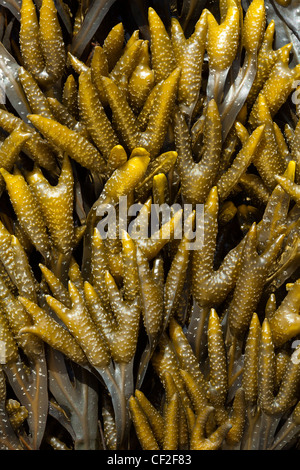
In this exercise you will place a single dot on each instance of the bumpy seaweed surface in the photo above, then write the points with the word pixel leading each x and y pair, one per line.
pixel 185 117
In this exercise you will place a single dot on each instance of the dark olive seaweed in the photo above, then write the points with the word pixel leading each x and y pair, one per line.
pixel 149 225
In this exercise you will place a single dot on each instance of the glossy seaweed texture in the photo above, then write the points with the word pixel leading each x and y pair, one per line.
pixel 182 338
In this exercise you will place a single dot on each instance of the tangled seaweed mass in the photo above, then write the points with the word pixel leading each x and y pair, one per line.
pixel 139 340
